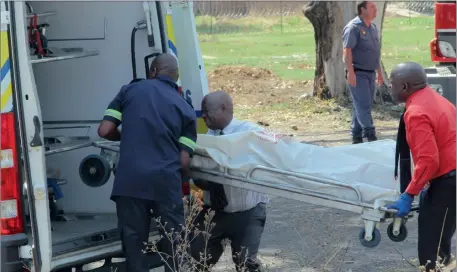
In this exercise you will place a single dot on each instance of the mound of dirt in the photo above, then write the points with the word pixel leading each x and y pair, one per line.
pixel 250 86
pixel 242 72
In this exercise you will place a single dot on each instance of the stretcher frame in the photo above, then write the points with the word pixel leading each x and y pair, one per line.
pixel 371 214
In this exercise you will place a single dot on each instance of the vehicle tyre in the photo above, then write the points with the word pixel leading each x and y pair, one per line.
pixel 397 238
pixel 94 170
pixel 375 240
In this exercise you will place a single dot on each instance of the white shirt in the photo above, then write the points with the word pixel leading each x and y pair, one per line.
pixel 240 199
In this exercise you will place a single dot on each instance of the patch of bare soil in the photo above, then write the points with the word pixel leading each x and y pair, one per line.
pixel 250 86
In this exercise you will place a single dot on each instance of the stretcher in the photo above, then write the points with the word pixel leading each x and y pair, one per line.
pixel 266 164
pixel 371 213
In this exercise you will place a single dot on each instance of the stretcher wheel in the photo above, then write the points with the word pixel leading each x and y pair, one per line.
pixel 375 240
pixel 94 170
pixel 397 238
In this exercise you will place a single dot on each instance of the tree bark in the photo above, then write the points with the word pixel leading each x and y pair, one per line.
pixel 328 19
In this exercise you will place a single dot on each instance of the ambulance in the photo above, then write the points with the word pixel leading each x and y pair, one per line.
pixel 61 65
pixel 442 76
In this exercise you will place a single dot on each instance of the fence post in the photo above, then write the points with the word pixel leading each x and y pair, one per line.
pixel 280 10
pixel 211 18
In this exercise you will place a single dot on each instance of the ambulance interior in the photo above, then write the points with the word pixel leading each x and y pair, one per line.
pixel 90 59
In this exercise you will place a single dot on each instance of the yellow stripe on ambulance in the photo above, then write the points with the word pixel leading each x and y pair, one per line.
pixel 6 87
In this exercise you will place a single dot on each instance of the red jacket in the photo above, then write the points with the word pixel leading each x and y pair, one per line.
pixel 430 122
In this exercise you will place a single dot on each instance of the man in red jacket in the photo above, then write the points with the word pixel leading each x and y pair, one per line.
pixel 430 125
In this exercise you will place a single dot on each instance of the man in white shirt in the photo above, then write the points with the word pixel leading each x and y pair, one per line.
pixel 239 214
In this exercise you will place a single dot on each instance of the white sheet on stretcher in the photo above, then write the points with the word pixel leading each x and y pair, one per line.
pixel 369 167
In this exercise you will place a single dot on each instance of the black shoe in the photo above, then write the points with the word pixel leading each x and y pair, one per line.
pixel 357 140
pixel 372 138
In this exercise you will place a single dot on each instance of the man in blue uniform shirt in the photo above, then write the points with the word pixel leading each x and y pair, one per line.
pixel 158 137
pixel 362 56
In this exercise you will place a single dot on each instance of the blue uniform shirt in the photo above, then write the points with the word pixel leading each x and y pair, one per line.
pixel 157 123
pixel 364 42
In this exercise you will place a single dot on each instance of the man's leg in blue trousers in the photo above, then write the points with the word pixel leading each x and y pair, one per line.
pixel 362 99
pixel 134 224
pixel 356 128
pixel 172 219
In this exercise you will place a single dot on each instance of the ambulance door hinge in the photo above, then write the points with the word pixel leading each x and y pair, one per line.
pixel 36 141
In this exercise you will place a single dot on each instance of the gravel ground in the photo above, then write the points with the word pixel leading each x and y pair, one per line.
pixel 304 237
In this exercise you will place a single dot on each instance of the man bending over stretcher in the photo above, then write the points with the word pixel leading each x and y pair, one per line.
pixel 240 214
pixel 429 132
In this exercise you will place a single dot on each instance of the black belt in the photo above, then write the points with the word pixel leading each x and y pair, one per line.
pixel 357 70
pixel 363 70
pixel 450 174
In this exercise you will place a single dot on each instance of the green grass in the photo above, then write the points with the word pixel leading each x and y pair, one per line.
pixel 287 47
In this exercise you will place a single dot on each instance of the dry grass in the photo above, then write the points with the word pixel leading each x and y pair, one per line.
pixel 182 239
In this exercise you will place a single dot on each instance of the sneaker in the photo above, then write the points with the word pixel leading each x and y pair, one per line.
pixel 357 140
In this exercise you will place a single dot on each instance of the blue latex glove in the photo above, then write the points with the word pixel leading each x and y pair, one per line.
pixel 403 205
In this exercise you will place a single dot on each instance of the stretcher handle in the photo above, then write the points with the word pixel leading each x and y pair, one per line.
pixel 384 209
pixel 107 145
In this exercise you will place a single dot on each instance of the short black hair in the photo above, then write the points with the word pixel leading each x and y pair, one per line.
pixel 360 5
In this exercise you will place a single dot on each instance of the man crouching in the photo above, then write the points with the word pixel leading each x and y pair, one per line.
pixel 240 214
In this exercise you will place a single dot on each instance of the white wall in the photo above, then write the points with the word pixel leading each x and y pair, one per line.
pixel 81 89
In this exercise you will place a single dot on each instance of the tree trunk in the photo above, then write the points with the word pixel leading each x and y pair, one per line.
pixel 328 19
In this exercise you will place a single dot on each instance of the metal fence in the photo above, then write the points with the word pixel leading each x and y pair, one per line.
pixel 407 31
pixel 232 17
pixel 237 9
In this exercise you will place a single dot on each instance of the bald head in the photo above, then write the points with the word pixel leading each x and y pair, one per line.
pixel 217 99
pixel 217 110
pixel 164 64
pixel 407 78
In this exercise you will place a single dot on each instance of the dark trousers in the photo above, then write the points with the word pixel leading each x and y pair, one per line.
pixel 362 98
pixel 134 219
pixel 243 229
pixel 434 222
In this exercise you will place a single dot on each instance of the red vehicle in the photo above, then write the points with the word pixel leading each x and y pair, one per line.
pixel 442 47
pixel 442 77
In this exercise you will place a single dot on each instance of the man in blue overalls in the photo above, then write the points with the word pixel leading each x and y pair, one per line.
pixel 362 54
pixel 158 136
